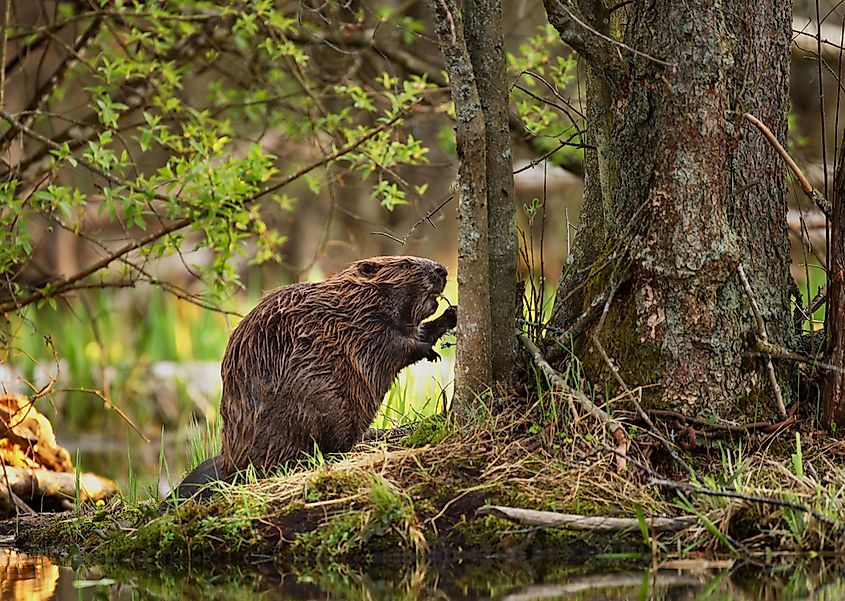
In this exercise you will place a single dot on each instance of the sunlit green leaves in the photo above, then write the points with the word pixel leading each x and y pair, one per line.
pixel 188 112
pixel 545 73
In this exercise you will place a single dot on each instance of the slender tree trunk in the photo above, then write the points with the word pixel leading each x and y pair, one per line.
pixel 473 369
pixel 485 43
pixel 833 392
pixel 679 192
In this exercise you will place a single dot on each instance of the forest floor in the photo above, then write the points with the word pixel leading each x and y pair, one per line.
pixel 428 497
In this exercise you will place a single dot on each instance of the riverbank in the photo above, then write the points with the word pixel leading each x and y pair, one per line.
pixel 428 499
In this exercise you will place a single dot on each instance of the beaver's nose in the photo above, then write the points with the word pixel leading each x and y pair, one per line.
pixel 441 271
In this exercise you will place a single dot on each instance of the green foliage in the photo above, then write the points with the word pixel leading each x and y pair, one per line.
pixel 798 457
pixel 545 74
pixel 158 143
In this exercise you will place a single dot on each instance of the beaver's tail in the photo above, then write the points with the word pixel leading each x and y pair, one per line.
pixel 196 484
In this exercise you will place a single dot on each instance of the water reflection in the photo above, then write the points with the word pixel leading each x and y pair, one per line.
pixel 24 578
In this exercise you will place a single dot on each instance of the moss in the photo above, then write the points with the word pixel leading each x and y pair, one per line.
pixel 332 483
pixel 621 340
pixel 484 532
pixel 431 430
pixel 192 533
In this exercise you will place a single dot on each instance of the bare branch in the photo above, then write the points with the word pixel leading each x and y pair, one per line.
pixel 816 197
pixel 61 286
pixel 764 338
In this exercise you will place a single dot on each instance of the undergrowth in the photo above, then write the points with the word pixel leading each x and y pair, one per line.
pixel 417 501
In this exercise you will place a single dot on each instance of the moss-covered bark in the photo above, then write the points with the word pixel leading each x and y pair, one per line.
pixel 485 43
pixel 681 188
pixel 473 364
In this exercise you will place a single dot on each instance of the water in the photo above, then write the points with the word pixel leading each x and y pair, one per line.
pixel 24 578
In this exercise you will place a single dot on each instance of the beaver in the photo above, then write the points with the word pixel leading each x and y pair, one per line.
pixel 311 363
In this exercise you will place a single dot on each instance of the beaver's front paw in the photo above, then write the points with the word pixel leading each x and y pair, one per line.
pixel 450 317
pixel 432 355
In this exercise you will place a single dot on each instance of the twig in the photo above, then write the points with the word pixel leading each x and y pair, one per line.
pixel 579 326
pixel 404 239
pixel 805 313
pixel 682 419
pixel 552 519
pixel 4 37
pixel 744 497
pixel 773 350
pixel 618 377
pixel 764 338
pixel 653 431
pixel 61 286
pixel 816 197
pixel 616 429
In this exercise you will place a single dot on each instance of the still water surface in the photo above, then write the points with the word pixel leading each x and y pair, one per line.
pixel 26 577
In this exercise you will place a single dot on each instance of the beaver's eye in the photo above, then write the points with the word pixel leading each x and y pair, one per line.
pixel 367 268
pixel 404 265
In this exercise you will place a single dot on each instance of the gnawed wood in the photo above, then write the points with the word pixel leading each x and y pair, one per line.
pixel 569 521
pixel 26 437
pixel 36 485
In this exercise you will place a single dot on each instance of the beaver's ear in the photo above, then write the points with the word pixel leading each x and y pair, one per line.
pixel 367 268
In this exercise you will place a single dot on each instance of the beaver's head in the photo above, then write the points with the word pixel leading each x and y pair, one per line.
pixel 412 284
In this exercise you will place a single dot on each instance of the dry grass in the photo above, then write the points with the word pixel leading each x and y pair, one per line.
pixel 418 501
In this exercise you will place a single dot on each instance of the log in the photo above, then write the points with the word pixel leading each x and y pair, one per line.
pixel 569 521
pixel 35 486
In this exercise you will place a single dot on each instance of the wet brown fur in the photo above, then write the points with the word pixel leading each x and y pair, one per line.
pixel 311 363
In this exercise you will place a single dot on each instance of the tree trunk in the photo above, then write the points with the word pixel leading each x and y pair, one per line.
pixel 485 43
pixel 679 192
pixel 833 391
pixel 473 367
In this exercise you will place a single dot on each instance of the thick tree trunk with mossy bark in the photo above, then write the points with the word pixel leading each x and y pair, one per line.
pixel 680 190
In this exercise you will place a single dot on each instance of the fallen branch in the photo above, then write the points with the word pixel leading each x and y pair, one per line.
pixel 552 519
pixel 764 339
pixel 38 485
pixel 616 429
pixel 730 494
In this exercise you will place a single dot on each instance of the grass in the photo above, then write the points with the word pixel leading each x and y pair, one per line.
pixel 417 501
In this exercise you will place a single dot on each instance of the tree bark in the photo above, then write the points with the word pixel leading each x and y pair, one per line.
pixel 833 391
pixel 680 191
pixel 473 366
pixel 485 44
